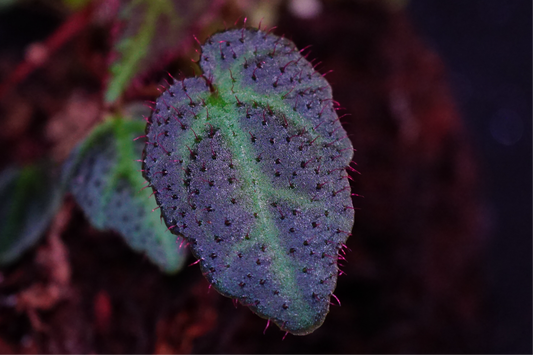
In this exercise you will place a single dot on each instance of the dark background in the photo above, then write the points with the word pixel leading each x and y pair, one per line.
pixel 486 46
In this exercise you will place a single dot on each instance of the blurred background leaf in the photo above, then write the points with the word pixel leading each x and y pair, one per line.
pixel 103 174
pixel 6 3
pixel 150 34
pixel 76 4
pixel 30 198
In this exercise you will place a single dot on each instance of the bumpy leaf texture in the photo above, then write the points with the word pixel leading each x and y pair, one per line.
pixel 103 175
pixel 248 163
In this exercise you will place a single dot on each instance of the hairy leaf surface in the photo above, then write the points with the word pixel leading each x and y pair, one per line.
pixel 248 163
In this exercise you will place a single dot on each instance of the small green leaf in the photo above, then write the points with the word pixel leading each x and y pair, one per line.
pixel 30 198
pixel 103 175
pixel 249 164
pixel 152 33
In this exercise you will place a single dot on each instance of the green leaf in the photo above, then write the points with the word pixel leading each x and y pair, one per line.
pixel 103 175
pixel 248 163
pixel 152 33
pixel 30 198
pixel 5 4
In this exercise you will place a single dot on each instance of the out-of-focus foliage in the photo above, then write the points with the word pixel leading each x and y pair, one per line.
pixel 103 175
pixel 30 197
pixel 76 4
pixel 6 3
pixel 151 33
